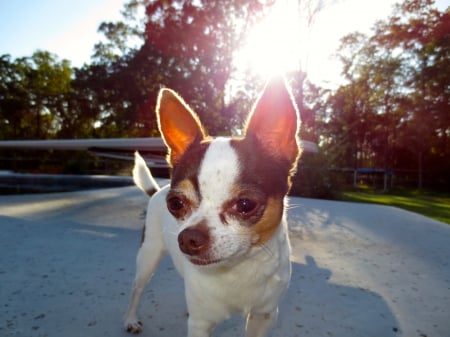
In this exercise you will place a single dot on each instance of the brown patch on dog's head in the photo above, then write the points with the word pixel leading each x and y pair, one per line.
pixel 188 188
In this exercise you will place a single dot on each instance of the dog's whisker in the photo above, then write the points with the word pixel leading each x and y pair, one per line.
pixel 289 207
pixel 267 249
pixel 172 233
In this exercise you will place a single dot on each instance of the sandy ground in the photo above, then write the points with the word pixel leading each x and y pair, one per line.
pixel 67 263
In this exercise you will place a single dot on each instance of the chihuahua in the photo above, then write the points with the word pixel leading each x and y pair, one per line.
pixel 222 218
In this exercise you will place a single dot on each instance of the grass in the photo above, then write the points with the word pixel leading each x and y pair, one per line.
pixel 435 206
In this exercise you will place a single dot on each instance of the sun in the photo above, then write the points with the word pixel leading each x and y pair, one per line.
pixel 274 45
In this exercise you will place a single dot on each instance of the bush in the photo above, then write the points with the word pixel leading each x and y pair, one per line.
pixel 314 179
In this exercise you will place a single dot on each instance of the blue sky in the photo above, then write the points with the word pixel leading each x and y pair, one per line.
pixel 65 27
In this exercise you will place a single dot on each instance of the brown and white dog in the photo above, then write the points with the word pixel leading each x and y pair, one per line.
pixel 222 218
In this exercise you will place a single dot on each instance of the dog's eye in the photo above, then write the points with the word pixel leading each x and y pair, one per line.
pixel 245 206
pixel 175 204
pixel 178 205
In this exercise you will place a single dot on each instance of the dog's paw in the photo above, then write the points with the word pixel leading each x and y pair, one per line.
pixel 134 327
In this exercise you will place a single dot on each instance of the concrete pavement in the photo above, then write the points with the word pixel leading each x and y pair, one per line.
pixel 67 263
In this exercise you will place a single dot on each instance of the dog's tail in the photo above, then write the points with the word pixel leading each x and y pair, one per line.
pixel 142 176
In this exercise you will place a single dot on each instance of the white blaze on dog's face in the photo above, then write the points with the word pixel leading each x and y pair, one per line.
pixel 227 193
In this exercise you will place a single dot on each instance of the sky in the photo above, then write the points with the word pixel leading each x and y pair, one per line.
pixel 68 28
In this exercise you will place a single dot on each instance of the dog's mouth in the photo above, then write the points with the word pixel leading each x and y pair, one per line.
pixel 203 262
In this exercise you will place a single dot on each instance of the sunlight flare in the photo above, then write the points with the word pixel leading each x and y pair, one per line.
pixel 274 45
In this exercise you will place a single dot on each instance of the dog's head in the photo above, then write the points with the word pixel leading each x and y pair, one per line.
pixel 228 193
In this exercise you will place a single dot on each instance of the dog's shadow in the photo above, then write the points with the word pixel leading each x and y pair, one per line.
pixel 315 306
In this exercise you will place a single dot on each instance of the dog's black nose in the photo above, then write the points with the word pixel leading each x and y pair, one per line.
pixel 193 241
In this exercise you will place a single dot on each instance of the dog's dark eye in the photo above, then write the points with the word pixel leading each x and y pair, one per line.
pixel 175 204
pixel 178 205
pixel 245 206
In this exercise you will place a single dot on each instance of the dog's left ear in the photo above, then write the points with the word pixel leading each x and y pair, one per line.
pixel 275 122
pixel 178 124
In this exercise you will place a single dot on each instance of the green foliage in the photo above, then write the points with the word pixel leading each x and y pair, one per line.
pixel 314 179
pixel 34 92
pixel 393 111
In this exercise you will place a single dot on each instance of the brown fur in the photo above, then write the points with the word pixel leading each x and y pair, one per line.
pixel 271 219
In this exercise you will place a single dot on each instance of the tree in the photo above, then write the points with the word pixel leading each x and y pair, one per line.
pixel 396 99
pixel 49 83
pixel 14 101
pixel 422 34
pixel 34 95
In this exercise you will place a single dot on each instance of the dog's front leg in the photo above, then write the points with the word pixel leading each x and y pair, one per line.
pixel 199 327
pixel 147 261
pixel 259 324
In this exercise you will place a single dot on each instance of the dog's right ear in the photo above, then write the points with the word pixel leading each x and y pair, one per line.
pixel 178 124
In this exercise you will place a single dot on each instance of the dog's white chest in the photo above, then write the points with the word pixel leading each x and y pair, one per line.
pixel 255 284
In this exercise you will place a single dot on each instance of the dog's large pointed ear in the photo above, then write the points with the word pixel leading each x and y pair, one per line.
pixel 178 124
pixel 274 121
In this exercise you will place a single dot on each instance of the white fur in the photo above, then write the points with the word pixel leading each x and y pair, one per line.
pixel 250 280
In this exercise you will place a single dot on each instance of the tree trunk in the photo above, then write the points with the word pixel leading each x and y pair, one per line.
pixel 420 171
